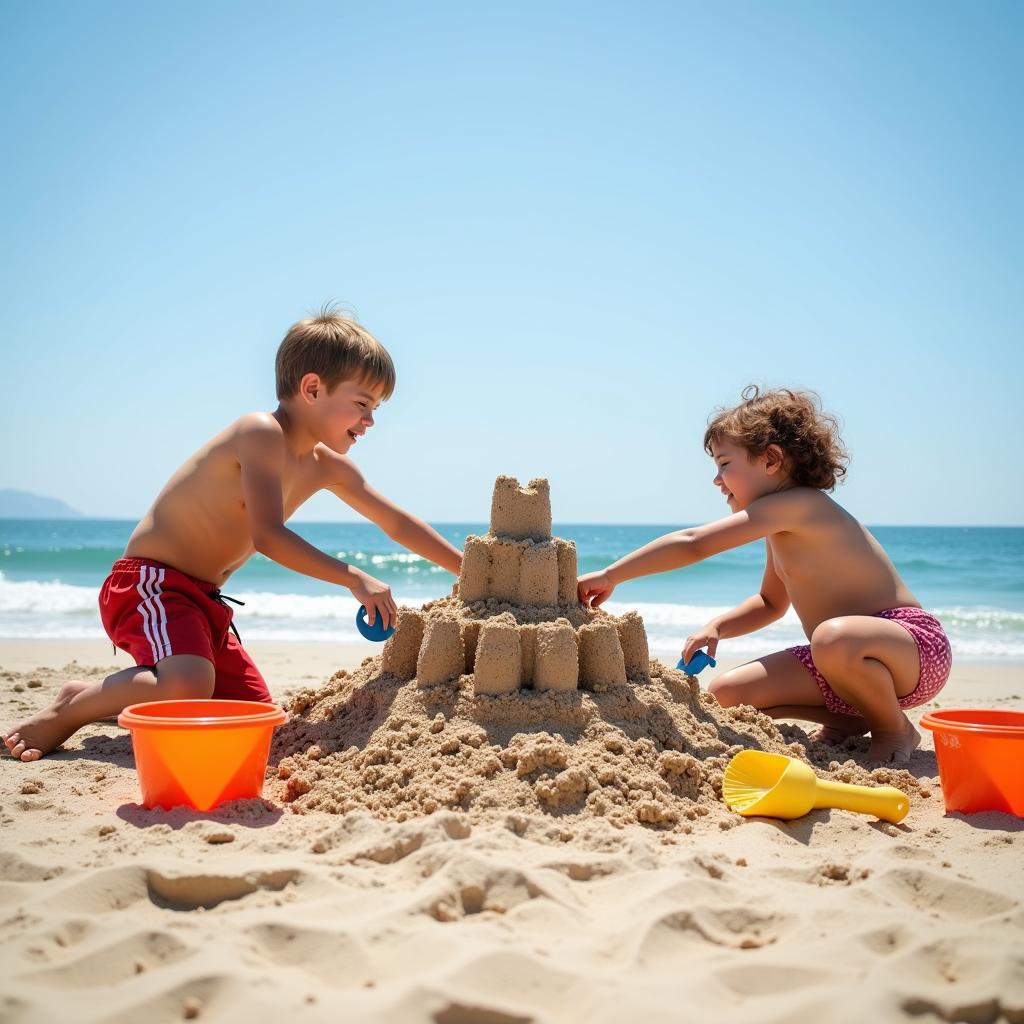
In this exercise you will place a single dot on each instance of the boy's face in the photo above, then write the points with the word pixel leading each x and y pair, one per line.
pixel 743 477
pixel 346 413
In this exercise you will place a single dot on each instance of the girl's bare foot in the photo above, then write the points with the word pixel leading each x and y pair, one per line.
pixel 894 747
pixel 836 732
pixel 46 730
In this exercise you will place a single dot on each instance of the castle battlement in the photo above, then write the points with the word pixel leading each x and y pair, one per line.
pixel 522 513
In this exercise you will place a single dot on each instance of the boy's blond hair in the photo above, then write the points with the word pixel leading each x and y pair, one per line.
pixel 793 420
pixel 335 347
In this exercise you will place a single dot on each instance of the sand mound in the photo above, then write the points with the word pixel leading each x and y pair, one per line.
pixel 522 701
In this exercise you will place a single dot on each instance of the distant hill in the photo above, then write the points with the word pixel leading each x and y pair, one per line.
pixel 24 505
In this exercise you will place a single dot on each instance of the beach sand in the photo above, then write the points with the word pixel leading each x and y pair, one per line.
pixel 114 913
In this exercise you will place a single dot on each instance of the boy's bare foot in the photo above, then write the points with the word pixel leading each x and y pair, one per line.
pixel 894 747
pixel 46 730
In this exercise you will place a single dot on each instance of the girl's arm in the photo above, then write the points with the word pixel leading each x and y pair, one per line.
pixel 770 514
pixel 765 607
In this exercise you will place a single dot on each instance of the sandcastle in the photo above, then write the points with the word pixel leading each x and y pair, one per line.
pixel 515 621
pixel 510 699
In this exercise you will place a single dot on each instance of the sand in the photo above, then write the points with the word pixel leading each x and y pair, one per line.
pixel 109 912
pixel 510 814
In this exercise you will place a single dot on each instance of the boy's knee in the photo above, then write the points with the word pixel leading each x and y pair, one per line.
pixel 69 689
pixel 184 687
pixel 191 679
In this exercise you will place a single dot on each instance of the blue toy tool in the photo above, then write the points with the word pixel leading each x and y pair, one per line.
pixel 699 662
pixel 377 633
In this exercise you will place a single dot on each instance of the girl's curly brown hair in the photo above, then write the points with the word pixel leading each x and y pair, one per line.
pixel 794 420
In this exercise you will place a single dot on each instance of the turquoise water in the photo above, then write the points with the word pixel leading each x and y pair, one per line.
pixel 971 577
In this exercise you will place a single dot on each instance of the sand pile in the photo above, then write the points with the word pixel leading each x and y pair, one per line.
pixel 510 697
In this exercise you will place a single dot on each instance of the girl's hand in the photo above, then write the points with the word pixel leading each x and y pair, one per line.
pixel 706 637
pixel 376 598
pixel 594 589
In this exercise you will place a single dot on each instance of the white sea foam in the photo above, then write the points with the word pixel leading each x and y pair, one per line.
pixel 38 609
pixel 42 598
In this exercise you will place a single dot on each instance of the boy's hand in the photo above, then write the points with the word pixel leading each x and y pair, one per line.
pixel 376 597
pixel 594 589
pixel 706 637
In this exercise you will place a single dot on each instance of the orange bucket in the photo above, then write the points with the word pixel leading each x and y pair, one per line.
pixel 200 753
pixel 981 759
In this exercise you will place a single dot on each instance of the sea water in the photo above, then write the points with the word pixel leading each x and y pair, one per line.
pixel 972 578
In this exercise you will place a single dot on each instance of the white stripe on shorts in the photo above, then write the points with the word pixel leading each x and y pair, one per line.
pixel 157 591
pixel 145 611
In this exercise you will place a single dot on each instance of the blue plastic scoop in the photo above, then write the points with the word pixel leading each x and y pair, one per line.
pixel 377 633
pixel 699 662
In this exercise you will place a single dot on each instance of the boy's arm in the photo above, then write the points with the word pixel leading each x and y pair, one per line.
pixel 773 513
pixel 764 607
pixel 401 526
pixel 261 456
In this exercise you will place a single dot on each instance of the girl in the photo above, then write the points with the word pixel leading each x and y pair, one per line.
pixel 873 650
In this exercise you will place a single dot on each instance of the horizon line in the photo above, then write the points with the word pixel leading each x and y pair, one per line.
pixel 476 522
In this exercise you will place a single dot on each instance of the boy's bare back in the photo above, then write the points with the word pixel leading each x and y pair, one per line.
pixel 199 522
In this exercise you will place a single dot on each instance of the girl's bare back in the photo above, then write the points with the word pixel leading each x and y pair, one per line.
pixel 830 565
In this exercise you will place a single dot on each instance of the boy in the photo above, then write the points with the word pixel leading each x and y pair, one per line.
pixel 873 649
pixel 162 603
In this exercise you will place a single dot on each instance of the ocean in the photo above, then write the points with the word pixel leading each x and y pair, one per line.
pixel 971 577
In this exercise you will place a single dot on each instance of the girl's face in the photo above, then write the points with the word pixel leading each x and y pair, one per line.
pixel 743 477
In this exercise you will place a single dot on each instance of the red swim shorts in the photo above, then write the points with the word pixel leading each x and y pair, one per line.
pixel 153 611
pixel 933 650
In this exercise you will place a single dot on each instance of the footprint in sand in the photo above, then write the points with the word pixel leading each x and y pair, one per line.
pixel 939 896
pixel 15 868
pixel 755 980
pixel 677 933
pixel 190 892
pixel 471 887
pixel 332 957
pixel 124 887
pixel 114 962
pixel 956 978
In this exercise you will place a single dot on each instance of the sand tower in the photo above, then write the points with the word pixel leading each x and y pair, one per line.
pixel 515 621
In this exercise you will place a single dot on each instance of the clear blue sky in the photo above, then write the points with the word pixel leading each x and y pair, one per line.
pixel 577 227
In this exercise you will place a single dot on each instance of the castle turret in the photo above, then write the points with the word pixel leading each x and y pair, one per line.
pixel 521 513
pixel 519 562
pixel 518 571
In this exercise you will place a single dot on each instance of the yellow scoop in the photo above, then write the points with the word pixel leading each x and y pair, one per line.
pixel 776 786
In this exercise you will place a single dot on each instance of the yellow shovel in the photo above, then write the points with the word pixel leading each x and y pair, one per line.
pixel 776 786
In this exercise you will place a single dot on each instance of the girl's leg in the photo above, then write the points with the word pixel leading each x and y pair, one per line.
pixel 870 663
pixel 179 677
pixel 775 680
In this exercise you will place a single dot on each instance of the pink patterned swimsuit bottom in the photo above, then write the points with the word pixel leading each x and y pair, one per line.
pixel 933 650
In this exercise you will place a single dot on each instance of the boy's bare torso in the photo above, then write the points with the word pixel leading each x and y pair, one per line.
pixel 199 524
pixel 831 566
